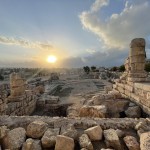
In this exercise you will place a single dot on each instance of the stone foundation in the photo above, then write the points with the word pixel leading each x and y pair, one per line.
pixel 138 92
pixel 25 105
pixel 76 133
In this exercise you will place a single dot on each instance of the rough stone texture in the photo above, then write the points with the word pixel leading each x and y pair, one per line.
pixel 71 132
pixel 49 138
pixel 143 126
pixel 25 105
pixel 112 139
pixel 132 83
pixel 15 139
pixel 85 142
pixel 36 129
pixel 120 133
pixel 57 122
pixel 133 112
pixel 137 57
pixel 32 144
pixel 145 141
pixel 98 99
pixel 64 142
pixel 131 143
pixel 3 100
pixel 17 85
pixel 3 131
pixel 93 111
pixel 94 133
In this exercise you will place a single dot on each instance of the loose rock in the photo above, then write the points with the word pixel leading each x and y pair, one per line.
pixel 112 139
pixel 32 144
pixel 131 143
pixel 94 133
pixel 133 112
pixel 85 142
pixel 15 139
pixel 145 141
pixel 64 142
pixel 36 129
pixel 49 138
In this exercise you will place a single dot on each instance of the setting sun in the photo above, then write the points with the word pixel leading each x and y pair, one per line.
pixel 52 59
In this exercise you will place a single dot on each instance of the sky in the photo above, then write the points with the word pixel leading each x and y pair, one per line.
pixel 77 32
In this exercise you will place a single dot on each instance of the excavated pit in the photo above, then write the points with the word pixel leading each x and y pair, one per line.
pixel 52 110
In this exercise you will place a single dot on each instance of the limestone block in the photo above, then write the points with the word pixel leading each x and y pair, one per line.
pixel 131 143
pixel 15 139
pixel 72 133
pixel 128 93
pixel 49 138
pixel 115 94
pixel 133 112
pixel 64 142
pixel 120 89
pixel 112 139
pixel 137 79
pixel 129 88
pixel 137 42
pixel 85 142
pixel 36 129
pixel 145 102
pixel 135 97
pixel 93 111
pixel 130 83
pixel 94 133
pixel 121 85
pixel 32 144
pixel 145 141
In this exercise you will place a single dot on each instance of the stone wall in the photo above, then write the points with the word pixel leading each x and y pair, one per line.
pixel 25 105
pixel 3 101
pixel 57 122
pixel 134 84
pixel 41 133
pixel 17 99
pixel 137 92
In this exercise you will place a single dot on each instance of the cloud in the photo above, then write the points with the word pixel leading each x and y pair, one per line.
pixel 72 62
pixel 25 43
pixel 98 4
pixel 117 30
pixel 91 51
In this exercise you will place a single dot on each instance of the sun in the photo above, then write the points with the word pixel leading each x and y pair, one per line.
pixel 51 59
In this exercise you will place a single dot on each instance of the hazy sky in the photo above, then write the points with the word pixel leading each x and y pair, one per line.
pixel 77 32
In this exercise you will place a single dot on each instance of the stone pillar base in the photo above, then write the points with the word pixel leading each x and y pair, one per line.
pixel 133 79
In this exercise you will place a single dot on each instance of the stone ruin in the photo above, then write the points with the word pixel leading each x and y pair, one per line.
pixel 21 101
pixel 87 127
pixel 134 83
pixel 17 85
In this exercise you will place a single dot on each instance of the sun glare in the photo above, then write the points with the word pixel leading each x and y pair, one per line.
pixel 52 59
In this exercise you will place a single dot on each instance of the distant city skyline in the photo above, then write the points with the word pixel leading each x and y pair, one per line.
pixel 78 32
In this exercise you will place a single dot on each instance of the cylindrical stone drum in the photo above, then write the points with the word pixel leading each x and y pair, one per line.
pixel 137 55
